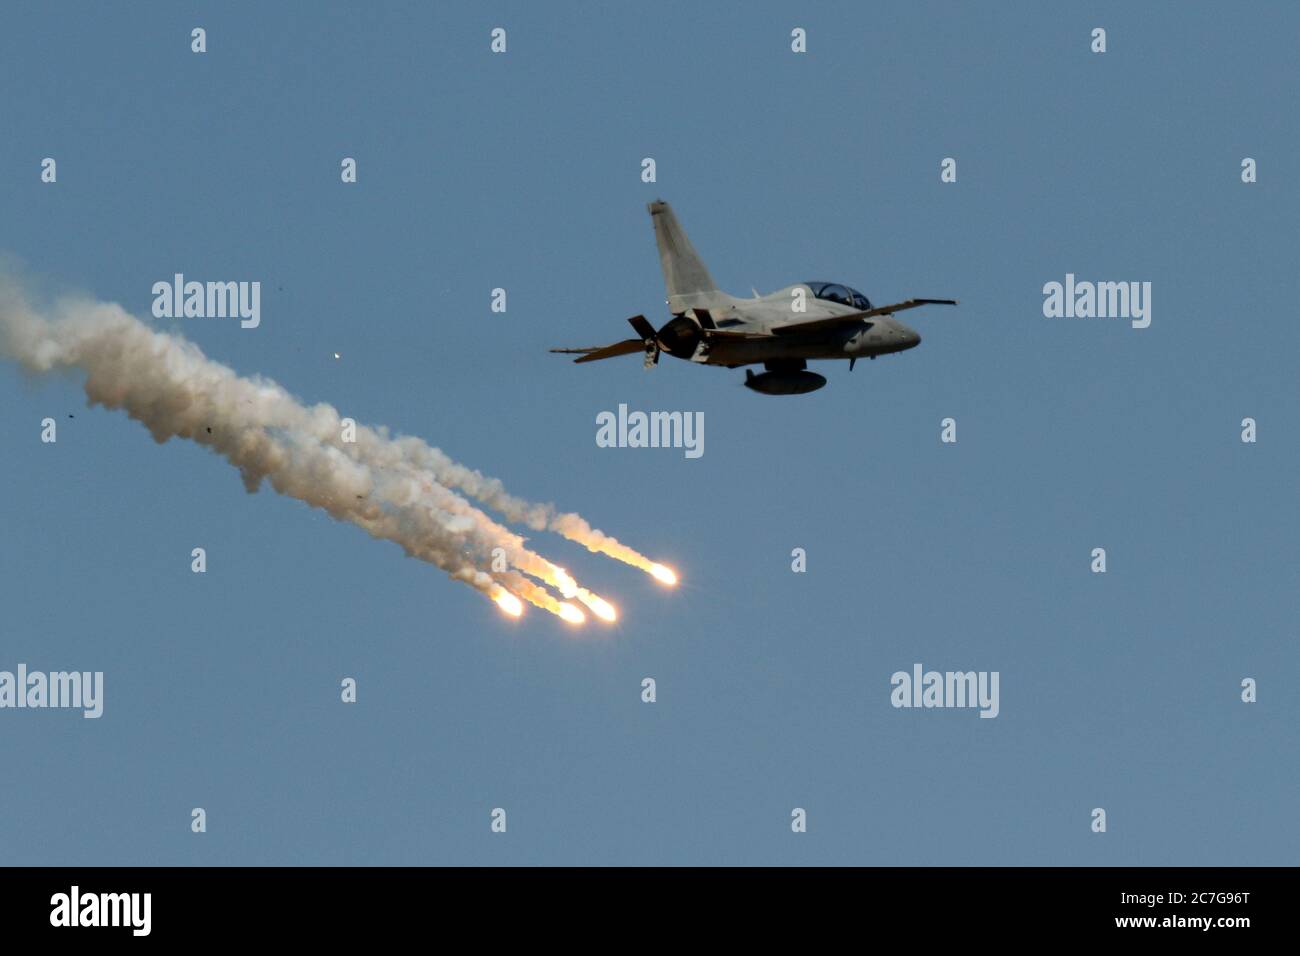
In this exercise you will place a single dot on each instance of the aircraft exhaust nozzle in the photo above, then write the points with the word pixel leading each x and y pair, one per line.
pixel 680 337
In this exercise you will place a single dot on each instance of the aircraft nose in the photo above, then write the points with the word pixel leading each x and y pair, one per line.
pixel 913 339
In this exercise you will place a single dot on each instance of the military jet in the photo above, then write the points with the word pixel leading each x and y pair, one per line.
pixel 782 330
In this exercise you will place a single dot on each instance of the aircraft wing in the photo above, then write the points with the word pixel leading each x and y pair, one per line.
pixel 836 321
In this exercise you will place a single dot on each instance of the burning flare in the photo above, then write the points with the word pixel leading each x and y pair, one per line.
pixel 665 574
pixel 509 603
pixel 572 614
pixel 598 605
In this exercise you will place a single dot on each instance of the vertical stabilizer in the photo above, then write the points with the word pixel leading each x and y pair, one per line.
pixel 687 280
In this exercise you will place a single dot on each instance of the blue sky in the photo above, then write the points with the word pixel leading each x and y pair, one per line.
pixel 523 171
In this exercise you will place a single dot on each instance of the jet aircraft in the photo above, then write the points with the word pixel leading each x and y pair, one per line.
pixel 781 330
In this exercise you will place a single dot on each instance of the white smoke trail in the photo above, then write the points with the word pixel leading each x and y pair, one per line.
pixel 387 486
pixel 432 465
pixel 539 517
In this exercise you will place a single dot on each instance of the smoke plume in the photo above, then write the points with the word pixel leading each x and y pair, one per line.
pixel 397 488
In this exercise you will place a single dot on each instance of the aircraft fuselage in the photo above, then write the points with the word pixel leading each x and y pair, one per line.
pixel 683 336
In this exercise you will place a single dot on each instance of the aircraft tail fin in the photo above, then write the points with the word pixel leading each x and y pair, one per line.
pixel 687 279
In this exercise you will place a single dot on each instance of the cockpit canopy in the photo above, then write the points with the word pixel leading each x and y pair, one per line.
pixel 842 294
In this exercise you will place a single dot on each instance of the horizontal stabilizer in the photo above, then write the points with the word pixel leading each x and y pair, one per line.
pixel 626 347
pixel 641 325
